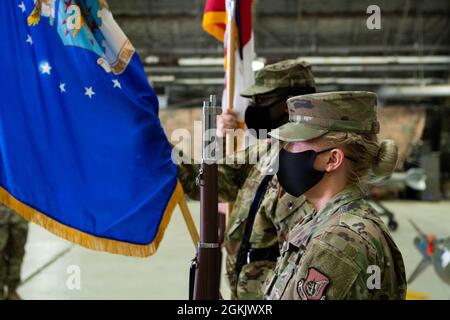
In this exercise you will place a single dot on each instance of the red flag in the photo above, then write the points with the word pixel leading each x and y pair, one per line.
pixel 215 22
pixel 215 18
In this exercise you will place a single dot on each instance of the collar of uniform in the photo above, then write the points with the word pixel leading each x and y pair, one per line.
pixel 288 204
pixel 300 234
pixel 343 197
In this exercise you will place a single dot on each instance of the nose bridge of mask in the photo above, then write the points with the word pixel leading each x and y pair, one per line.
pixel 310 154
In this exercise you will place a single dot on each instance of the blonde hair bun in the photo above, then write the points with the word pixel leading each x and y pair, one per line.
pixel 386 158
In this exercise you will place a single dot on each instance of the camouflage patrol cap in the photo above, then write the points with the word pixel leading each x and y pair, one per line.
pixel 313 115
pixel 283 74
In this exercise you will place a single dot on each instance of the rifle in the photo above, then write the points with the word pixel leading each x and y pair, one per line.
pixel 207 273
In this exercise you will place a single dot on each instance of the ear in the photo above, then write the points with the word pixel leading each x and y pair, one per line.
pixel 335 160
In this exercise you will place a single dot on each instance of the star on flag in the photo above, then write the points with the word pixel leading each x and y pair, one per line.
pixel 29 39
pixel 22 6
pixel 62 87
pixel 117 84
pixel 89 92
pixel 46 68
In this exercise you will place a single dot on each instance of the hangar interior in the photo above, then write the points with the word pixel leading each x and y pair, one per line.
pixel 406 62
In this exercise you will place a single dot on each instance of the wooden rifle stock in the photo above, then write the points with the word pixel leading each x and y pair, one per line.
pixel 207 278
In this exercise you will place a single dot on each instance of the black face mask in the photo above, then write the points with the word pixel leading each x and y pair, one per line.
pixel 266 118
pixel 296 172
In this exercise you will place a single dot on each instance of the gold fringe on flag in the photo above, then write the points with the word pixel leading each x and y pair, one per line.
pixel 87 240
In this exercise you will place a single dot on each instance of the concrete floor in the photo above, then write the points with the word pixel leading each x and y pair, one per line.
pixel 49 260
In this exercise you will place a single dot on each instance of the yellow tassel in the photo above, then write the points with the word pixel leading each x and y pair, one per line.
pixel 90 241
pixel 414 295
pixel 34 17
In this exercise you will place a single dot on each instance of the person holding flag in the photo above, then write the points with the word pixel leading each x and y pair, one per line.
pixel 255 228
pixel 253 238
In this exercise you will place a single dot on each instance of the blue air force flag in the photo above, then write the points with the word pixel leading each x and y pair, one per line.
pixel 82 151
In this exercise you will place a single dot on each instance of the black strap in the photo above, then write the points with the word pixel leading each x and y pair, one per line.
pixel 192 272
pixel 264 254
pixel 245 244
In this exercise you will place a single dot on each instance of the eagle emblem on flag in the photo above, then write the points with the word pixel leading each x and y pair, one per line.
pixel 88 24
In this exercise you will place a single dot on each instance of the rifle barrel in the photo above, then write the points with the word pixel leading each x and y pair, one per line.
pixel 207 279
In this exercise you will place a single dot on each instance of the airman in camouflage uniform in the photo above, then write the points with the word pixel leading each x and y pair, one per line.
pixel 331 255
pixel 238 183
pixel 344 250
pixel 13 236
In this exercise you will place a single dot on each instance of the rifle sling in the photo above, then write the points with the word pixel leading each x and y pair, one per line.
pixel 245 244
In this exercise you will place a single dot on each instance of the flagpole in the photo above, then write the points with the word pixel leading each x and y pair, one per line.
pixel 230 141
pixel 189 221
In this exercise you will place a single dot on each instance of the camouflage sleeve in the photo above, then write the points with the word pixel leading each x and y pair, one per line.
pixel 231 177
pixel 5 214
pixel 335 267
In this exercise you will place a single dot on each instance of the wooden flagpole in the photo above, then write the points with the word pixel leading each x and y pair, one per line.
pixel 230 140
pixel 189 221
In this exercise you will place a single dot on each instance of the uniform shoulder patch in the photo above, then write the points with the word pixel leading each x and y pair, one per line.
pixel 312 287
